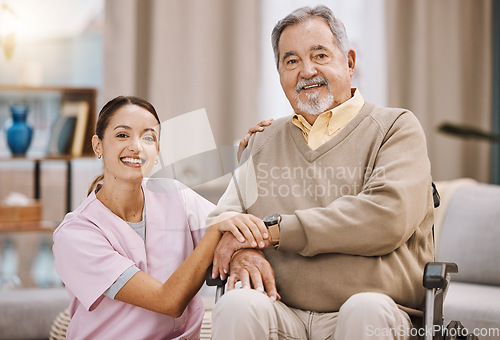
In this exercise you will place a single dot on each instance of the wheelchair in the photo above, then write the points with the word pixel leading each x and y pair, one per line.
pixel 436 279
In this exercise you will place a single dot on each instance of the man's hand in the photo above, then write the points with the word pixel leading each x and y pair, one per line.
pixel 226 247
pixel 251 268
pixel 257 128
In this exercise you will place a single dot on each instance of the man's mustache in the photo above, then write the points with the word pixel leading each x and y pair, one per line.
pixel 305 82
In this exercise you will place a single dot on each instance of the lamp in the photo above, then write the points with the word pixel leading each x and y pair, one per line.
pixel 8 30
pixel 466 132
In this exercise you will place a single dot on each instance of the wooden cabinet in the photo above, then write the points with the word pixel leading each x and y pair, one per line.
pixel 25 257
pixel 37 170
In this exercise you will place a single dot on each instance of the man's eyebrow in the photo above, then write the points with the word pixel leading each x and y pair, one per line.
pixel 319 48
pixel 313 48
pixel 288 54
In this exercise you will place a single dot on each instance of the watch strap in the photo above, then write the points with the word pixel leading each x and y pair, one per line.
pixel 274 233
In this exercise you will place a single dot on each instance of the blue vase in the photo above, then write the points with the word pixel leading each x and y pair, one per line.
pixel 19 133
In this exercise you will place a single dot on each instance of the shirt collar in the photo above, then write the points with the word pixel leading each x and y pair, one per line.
pixel 342 113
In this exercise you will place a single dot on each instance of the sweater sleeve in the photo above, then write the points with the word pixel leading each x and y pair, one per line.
pixel 387 211
pixel 242 191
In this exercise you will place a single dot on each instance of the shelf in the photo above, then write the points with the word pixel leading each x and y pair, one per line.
pixel 44 158
pixel 68 94
pixel 8 87
pixel 61 95
pixel 44 226
pixel 37 172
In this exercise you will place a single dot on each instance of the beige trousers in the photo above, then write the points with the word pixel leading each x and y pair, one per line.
pixel 248 314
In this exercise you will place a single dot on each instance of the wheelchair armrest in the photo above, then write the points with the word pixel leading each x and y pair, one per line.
pixel 435 274
pixel 213 282
pixel 218 282
pixel 436 278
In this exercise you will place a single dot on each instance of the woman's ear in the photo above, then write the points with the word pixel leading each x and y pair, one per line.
pixel 97 145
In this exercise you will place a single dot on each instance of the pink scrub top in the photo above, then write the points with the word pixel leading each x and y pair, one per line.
pixel 93 247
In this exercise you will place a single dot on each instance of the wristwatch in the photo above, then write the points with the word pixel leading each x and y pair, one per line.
pixel 272 222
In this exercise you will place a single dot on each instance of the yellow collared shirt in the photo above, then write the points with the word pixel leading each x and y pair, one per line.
pixel 329 123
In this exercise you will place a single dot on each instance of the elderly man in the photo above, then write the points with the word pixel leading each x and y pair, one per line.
pixel 343 187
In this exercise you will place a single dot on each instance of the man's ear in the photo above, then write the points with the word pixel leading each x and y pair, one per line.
pixel 351 61
pixel 97 145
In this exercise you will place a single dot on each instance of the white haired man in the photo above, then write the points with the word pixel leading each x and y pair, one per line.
pixel 344 188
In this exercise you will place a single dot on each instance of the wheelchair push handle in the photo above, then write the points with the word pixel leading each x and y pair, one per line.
pixel 435 274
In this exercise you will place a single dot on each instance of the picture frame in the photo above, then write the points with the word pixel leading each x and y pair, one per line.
pixel 68 132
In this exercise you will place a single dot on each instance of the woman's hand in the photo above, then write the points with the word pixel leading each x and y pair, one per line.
pixel 240 231
pixel 245 228
pixel 257 128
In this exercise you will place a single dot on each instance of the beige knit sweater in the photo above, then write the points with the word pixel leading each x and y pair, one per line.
pixel 357 211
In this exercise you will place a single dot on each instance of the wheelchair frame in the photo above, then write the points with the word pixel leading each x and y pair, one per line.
pixel 436 280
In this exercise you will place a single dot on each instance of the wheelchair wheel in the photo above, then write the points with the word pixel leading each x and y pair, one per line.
pixel 456 331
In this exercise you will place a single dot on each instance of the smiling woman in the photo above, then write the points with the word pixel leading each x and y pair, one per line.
pixel 136 254
pixel 126 137
pixel 133 124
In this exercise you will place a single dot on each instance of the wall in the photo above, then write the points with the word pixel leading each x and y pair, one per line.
pixel 365 25
pixel 61 42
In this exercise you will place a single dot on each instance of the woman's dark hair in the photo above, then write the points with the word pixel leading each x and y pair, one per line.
pixel 114 105
pixel 107 113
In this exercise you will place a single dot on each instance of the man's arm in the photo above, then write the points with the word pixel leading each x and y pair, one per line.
pixel 393 202
pixel 231 209
pixel 225 249
pixel 390 207
pixel 251 268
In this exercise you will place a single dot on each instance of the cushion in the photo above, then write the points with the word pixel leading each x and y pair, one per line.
pixel 476 306
pixel 28 313
pixel 470 234
pixel 446 190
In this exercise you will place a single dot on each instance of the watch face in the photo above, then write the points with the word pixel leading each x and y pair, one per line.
pixel 271 219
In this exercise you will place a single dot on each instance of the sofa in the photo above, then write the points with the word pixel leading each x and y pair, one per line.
pixel 27 311
pixel 467 232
